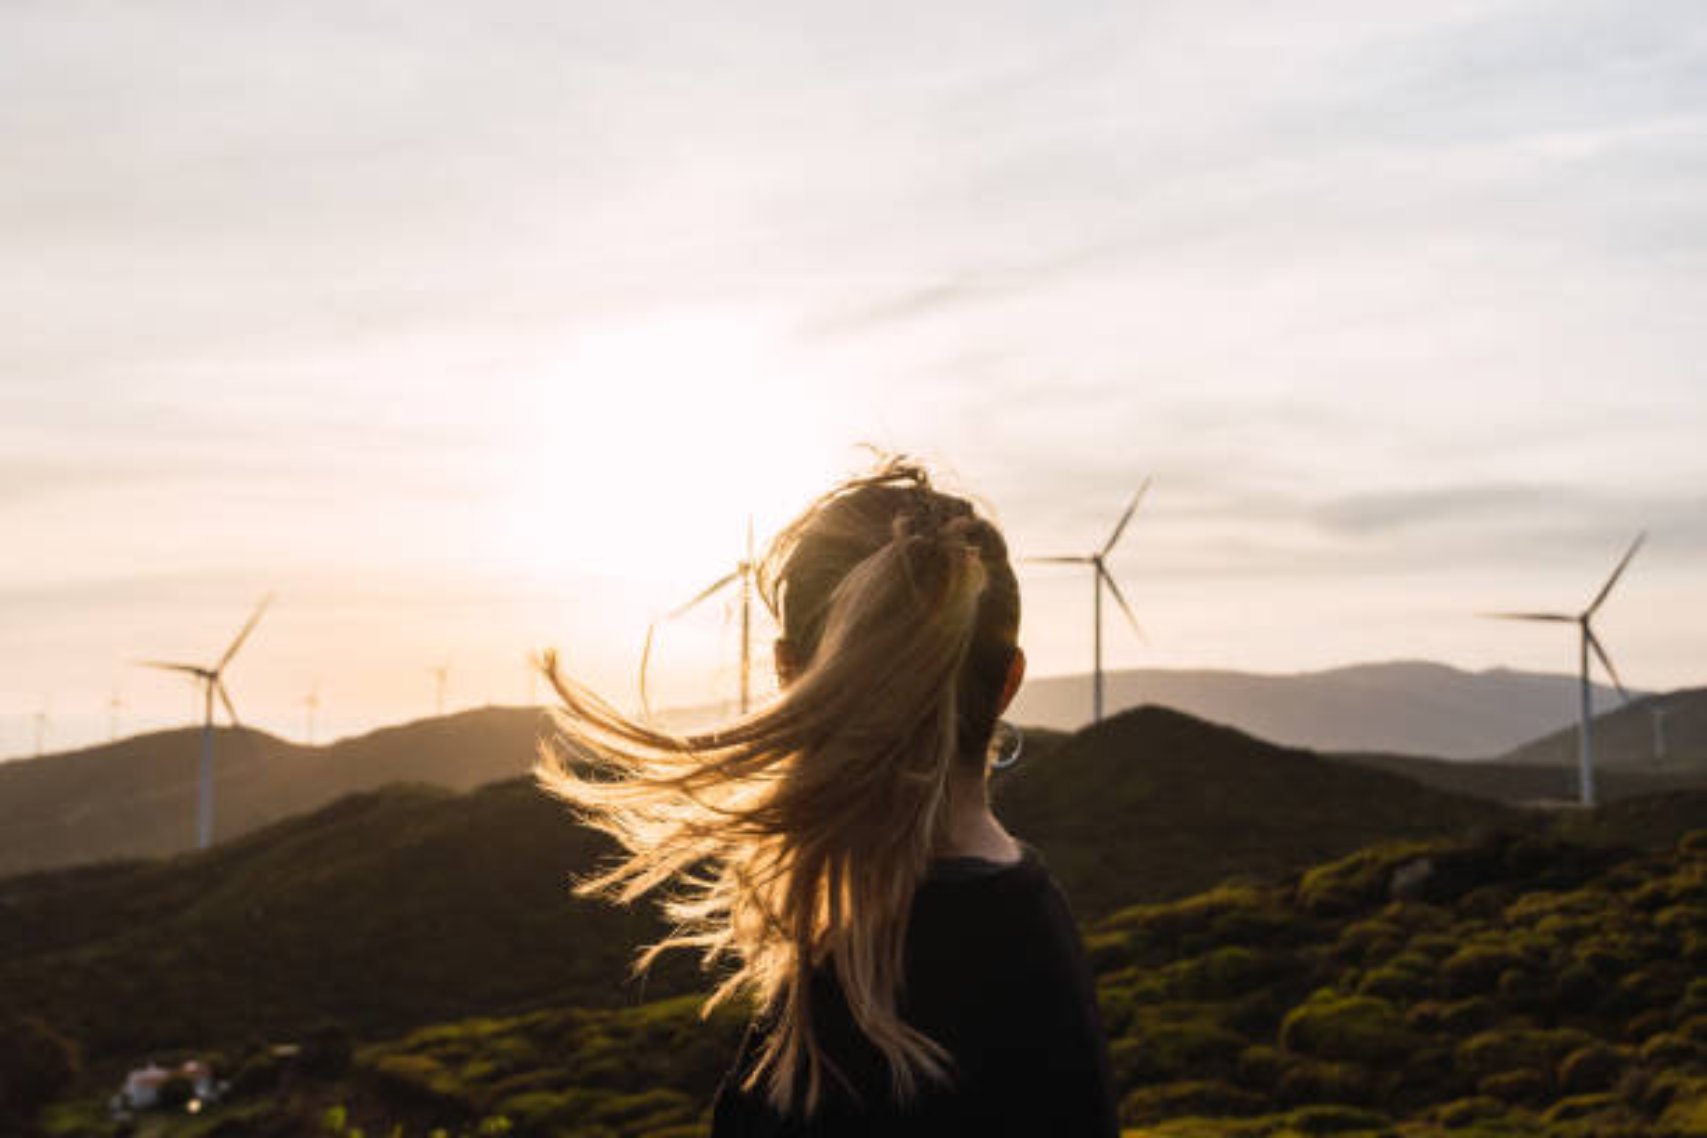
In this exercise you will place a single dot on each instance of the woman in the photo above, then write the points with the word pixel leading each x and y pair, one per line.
pixel 913 969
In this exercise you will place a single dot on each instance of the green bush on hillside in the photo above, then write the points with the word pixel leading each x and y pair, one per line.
pixel 1357 1029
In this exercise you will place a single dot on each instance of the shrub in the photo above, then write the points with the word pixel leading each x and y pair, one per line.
pixel 1395 981
pixel 1532 1049
pixel 1108 951
pixel 1178 1041
pixel 1586 1070
pixel 1313 1081
pixel 420 1079
pixel 1668 1049
pixel 1356 882
pixel 1260 1067
pixel 1210 1097
pixel 1687 1111
pixel 1579 1107
pixel 1460 1017
pixel 1464 1111
pixel 1475 969
pixel 1335 1120
pixel 1223 972
pixel 1519 1086
pixel 1355 1028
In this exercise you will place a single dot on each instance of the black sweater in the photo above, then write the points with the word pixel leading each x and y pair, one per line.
pixel 996 973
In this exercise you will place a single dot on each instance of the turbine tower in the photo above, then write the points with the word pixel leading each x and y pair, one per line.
pixel 744 574
pixel 1588 642
pixel 114 706
pixel 1660 711
pixel 42 718
pixel 212 684
pixel 311 702
pixel 441 676
pixel 1101 578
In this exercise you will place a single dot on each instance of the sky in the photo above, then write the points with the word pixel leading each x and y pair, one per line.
pixel 471 329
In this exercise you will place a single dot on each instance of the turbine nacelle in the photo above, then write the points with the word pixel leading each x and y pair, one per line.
pixel 745 572
pixel 1101 578
pixel 212 682
pixel 1591 646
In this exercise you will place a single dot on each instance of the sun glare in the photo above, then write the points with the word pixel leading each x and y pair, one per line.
pixel 650 443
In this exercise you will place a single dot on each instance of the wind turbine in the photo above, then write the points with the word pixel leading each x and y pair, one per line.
pixel 311 702
pixel 114 706
pixel 1660 711
pixel 212 683
pixel 1101 578
pixel 744 573
pixel 41 727
pixel 442 675
pixel 1589 643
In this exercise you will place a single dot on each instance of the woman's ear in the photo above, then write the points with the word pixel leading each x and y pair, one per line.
pixel 1016 676
pixel 782 654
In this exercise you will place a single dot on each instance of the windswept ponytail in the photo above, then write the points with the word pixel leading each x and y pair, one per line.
pixel 790 842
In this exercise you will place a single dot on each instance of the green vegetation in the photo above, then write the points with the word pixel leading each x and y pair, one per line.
pixel 1250 1011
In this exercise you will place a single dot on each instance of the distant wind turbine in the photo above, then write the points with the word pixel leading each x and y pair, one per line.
pixel 212 684
pixel 1589 642
pixel 441 675
pixel 311 703
pixel 744 574
pixel 114 706
pixel 42 718
pixel 1101 578
pixel 1660 712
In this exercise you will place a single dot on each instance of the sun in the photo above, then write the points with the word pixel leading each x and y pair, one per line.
pixel 649 444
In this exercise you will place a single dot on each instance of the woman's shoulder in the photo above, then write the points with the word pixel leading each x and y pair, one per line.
pixel 1013 905
pixel 959 870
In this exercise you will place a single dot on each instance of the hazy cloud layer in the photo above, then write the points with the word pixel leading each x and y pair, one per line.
pixel 1371 291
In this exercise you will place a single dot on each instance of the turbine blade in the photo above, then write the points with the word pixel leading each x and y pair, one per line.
pixel 1120 599
pixel 244 635
pixel 1120 527
pixel 645 663
pixel 1549 617
pixel 225 698
pixel 703 594
pixel 1059 560
pixel 1605 661
pixel 191 669
pixel 1606 589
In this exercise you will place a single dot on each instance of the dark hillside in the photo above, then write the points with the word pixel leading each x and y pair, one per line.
pixel 384 910
pixel 1153 803
pixel 1654 735
pixel 136 797
pixel 1525 783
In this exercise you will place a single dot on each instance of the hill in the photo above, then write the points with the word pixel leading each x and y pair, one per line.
pixel 411 905
pixel 1155 803
pixel 1532 783
pixel 384 910
pixel 1508 986
pixel 1658 735
pixel 1405 707
pixel 137 797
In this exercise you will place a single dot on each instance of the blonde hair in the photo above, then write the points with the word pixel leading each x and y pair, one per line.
pixel 793 839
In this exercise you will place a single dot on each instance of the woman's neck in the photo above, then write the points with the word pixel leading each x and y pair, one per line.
pixel 969 827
